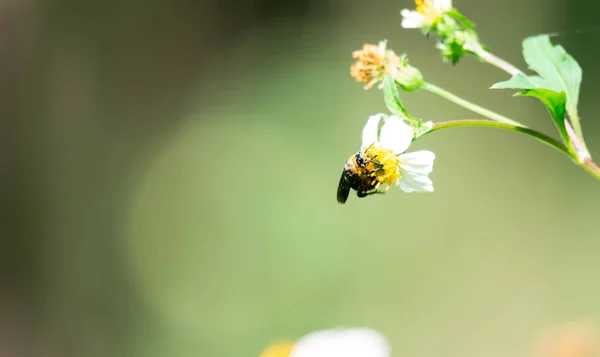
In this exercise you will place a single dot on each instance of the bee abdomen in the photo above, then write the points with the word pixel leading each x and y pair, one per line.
pixel 343 188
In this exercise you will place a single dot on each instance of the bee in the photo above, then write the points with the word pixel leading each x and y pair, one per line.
pixel 359 174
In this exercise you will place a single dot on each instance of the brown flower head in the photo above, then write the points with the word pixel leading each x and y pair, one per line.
pixel 374 62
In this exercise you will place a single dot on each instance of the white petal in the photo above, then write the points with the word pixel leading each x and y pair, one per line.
pixel 415 168
pixel 443 5
pixel 369 135
pixel 414 182
pixel 396 135
pixel 420 162
pixel 358 342
pixel 412 19
pixel 382 47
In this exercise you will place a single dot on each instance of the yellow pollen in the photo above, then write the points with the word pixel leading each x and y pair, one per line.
pixel 387 162
pixel 280 349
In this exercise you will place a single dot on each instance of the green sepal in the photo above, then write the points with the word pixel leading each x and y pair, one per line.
pixel 422 128
pixel 462 19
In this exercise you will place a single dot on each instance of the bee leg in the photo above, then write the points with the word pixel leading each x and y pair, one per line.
pixel 367 193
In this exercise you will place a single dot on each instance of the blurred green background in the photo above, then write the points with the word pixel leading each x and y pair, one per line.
pixel 169 171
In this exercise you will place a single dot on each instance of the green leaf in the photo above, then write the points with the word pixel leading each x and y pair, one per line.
pixel 532 86
pixel 555 102
pixel 518 81
pixel 559 70
pixel 392 98
pixel 557 85
pixel 521 81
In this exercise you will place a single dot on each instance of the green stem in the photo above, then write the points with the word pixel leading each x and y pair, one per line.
pixel 489 123
pixel 468 105
pixel 591 167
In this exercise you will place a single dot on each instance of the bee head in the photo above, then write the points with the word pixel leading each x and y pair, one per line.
pixel 360 160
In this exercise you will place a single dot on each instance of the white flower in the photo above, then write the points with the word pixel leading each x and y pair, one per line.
pixel 409 170
pixel 356 342
pixel 426 13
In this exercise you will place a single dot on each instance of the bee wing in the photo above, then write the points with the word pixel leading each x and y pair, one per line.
pixel 343 188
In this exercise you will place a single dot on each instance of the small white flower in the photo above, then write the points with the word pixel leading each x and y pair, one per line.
pixel 427 12
pixel 356 342
pixel 410 171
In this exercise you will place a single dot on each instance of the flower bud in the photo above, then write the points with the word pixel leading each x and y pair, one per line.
pixel 408 77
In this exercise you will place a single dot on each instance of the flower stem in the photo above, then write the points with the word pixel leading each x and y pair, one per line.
pixel 468 105
pixel 591 167
pixel 489 123
pixel 497 61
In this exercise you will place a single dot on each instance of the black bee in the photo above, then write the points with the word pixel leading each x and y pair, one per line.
pixel 359 174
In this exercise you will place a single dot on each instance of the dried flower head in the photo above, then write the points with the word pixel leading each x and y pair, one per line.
pixel 374 62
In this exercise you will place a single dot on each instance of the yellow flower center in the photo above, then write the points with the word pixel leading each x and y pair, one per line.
pixel 428 9
pixel 387 165
pixel 281 349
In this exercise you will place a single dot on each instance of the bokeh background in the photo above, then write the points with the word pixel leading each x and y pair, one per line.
pixel 168 171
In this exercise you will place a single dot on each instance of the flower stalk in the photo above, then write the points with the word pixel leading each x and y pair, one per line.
pixel 493 124
pixel 494 60
pixel 468 105
pixel 590 166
